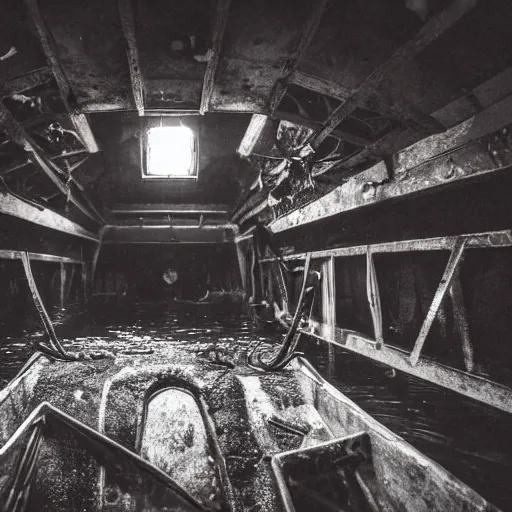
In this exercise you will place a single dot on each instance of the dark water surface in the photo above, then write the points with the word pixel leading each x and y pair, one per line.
pixel 469 439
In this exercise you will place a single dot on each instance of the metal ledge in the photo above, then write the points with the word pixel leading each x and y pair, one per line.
pixel 12 205
pixel 35 256
pixel 488 239
pixel 169 234
pixel 472 386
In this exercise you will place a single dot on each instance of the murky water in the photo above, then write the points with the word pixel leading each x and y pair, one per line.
pixel 467 438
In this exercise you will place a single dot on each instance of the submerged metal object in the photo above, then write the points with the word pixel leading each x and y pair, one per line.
pixel 169 431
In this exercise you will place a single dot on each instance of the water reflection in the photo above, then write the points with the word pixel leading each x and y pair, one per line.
pixel 469 439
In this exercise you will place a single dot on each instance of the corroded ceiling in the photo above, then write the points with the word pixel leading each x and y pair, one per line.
pixel 356 81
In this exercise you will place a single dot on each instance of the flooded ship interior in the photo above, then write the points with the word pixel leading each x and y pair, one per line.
pixel 255 255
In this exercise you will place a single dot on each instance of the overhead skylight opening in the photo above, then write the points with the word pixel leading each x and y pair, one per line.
pixel 170 152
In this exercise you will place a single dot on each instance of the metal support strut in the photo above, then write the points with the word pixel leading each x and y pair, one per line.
pixel 54 349
pixel 287 351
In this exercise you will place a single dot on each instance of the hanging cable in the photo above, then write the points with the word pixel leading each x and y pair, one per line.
pixel 287 351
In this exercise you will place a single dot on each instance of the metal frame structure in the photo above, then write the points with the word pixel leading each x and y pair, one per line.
pixel 32 212
pixel 463 382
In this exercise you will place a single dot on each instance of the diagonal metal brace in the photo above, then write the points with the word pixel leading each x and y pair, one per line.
pixel 444 285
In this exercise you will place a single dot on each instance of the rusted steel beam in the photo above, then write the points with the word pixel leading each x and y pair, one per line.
pixel 11 205
pixel 489 239
pixel 373 294
pixel 27 81
pixel 319 85
pixel 410 178
pixel 68 155
pixel 357 140
pixel 150 208
pixel 430 31
pixel 444 285
pixel 461 321
pixel 407 115
pixel 132 52
pixel 252 134
pixel 291 64
pixel 166 234
pixel 472 386
pixel 492 118
pixel 78 119
pixel 18 135
pixel 6 254
pixel 220 22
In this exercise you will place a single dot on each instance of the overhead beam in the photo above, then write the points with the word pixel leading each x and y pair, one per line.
pixel 357 193
pixel 430 31
pixel 78 119
pixel 319 85
pixel 408 116
pixel 220 22
pixel 6 254
pixel 357 140
pixel 16 207
pixel 132 52
pixel 27 81
pixel 472 386
pixel 137 209
pixel 291 64
pixel 168 234
pixel 252 134
pixel 18 135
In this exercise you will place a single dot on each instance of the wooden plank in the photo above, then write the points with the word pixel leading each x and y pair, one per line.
pixel 18 135
pixel 78 119
pixel 449 272
pixel 11 205
pixel 430 31
pixel 291 64
pixel 132 52
pixel 489 239
pixel 472 386
pixel 219 27
pixel 252 134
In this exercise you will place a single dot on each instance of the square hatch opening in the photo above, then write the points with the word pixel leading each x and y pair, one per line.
pixel 170 152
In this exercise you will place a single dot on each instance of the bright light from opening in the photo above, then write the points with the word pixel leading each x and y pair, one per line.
pixel 170 151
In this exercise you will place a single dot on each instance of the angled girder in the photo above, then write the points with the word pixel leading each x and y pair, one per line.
pixel 430 31
pixel 220 22
pixel 355 193
pixel 78 119
pixel 27 81
pixel 291 64
pixel 16 207
pixel 132 52
pixel 18 134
